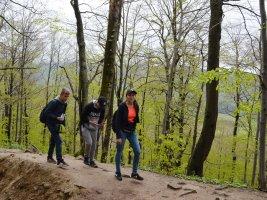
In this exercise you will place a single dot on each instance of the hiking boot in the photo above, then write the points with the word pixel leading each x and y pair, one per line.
pixel 62 163
pixel 92 164
pixel 137 176
pixel 118 176
pixel 86 161
pixel 51 160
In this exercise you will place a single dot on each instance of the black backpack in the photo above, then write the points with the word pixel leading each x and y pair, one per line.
pixel 114 124
pixel 43 114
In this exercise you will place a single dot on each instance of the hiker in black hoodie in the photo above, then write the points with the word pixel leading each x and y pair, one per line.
pixel 126 119
pixel 92 120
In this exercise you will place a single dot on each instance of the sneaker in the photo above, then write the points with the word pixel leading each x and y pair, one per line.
pixel 92 164
pixel 51 160
pixel 137 176
pixel 86 161
pixel 118 176
pixel 62 163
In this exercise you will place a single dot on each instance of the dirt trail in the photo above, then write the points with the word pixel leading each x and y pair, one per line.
pixel 29 176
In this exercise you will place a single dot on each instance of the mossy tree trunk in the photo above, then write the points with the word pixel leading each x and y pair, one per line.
pixel 107 87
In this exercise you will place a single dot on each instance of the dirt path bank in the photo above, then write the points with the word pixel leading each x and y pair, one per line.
pixel 29 176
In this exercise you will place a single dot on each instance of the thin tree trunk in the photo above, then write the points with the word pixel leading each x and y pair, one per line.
pixel 17 122
pixel 10 91
pixel 175 60
pixel 21 108
pixel 121 54
pixel 47 85
pixel 26 120
pixel 199 102
pixel 142 113
pixel 233 172
pixel 75 112
pixel 246 152
pixel 196 162
pixel 256 151
pixel 22 89
pixel 83 79
pixel 262 164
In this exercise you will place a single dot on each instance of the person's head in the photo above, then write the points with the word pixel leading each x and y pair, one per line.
pixel 130 95
pixel 64 94
pixel 101 102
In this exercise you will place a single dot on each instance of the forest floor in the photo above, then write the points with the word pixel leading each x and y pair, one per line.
pixel 28 176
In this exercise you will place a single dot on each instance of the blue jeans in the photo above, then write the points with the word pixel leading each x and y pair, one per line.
pixel 136 148
pixel 55 141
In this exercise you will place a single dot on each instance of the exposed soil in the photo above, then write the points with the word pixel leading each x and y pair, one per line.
pixel 28 176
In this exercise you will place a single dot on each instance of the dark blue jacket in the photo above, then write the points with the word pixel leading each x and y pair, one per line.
pixel 122 119
pixel 55 109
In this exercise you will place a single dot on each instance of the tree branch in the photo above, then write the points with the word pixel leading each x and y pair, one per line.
pixel 1 16
pixel 32 9
pixel 71 86
pixel 234 5
pixel 7 68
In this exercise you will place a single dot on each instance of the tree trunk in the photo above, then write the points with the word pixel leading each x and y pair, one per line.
pixel 83 79
pixel 17 122
pixel 262 164
pixel 111 46
pixel 47 84
pixel 199 102
pixel 75 126
pixel 233 172
pixel 26 119
pixel 106 141
pixel 175 60
pixel 22 89
pixel 20 135
pixel 196 162
pixel 142 112
pixel 107 86
pixel 247 149
pixel 119 93
pixel 8 107
pixel 256 151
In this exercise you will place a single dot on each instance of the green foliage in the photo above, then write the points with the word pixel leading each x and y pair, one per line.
pixel 160 153
pixel 54 24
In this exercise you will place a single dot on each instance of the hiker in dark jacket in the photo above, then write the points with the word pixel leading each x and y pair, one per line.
pixel 126 120
pixel 55 119
pixel 92 120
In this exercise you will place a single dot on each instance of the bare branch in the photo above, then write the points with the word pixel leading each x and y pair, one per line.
pixel 250 37
pixel 14 27
pixel 71 86
pixel 32 9
pixel 234 5
pixel 7 68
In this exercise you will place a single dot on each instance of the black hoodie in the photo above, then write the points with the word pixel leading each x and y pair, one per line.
pixel 122 119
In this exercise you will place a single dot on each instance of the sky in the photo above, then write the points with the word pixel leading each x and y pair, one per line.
pixel 64 9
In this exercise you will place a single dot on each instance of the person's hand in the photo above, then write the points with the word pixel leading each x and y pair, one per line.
pixel 93 123
pixel 61 119
pixel 119 141
pixel 100 125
